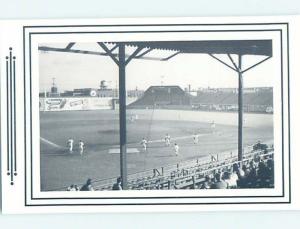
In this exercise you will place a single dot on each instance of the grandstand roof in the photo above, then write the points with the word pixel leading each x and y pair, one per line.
pixel 211 47
pixel 241 47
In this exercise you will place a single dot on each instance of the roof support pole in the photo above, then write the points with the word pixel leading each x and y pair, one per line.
pixel 122 115
pixel 240 107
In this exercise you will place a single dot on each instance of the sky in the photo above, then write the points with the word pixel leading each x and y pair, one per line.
pixel 72 70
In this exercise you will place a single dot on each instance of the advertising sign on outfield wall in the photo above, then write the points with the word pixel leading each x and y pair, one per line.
pixel 68 104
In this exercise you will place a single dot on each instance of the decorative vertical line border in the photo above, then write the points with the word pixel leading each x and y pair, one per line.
pixel 15 129
pixel 8 116
pixel 11 115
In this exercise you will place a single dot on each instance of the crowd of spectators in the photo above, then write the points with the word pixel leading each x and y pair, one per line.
pixel 250 175
pixel 86 187
pixel 255 172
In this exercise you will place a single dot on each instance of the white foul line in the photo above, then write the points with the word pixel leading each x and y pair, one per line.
pixel 51 143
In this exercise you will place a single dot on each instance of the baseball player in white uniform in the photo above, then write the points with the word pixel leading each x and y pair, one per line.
pixel 176 149
pixel 144 144
pixel 81 147
pixel 168 140
pixel 70 145
pixel 196 138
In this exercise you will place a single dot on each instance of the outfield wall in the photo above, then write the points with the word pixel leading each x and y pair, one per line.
pixel 75 103
pixel 80 103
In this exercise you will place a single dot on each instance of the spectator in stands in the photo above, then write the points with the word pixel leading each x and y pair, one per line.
pixel 270 168
pixel 262 175
pixel 87 186
pixel 240 172
pixel 157 185
pixel 241 182
pixel 262 171
pixel 252 175
pixel 219 184
pixel 71 188
pixel 207 183
pixel 246 170
pixel 252 165
pixel 231 179
pixel 118 185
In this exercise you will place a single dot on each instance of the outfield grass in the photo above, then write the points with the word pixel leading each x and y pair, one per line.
pixel 99 130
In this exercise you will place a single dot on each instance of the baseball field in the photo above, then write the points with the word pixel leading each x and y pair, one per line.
pixel 99 130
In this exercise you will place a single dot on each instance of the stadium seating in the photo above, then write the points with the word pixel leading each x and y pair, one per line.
pixel 160 96
pixel 255 171
pixel 227 101
pixel 173 97
pixel 258 98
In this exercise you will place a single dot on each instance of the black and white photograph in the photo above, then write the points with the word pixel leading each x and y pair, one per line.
pixel 193 115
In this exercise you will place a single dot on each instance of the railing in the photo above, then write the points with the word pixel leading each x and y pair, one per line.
pixel 165 176
pixel 192 180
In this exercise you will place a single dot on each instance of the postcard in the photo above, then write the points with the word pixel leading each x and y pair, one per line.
pixel 149 114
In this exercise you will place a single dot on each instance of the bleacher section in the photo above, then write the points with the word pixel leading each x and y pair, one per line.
pixel 173 97
pixel 160 96
pixel 255 171
pixel 259 98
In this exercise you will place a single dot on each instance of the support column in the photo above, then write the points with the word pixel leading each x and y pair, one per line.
pixel 122 113
pixel 240 106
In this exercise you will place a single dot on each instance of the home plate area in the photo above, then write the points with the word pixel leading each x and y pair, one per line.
pixel 129 150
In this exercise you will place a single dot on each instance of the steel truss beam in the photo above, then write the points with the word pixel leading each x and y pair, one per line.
pixel 171 56
pixel 222 62
pixel 140 56
pixel 144 53
pixel 133 55
pixel 70 45
pixel 260 62
pixel 108 52
pixel 113 48
pixel 47 49
pixel 232 61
